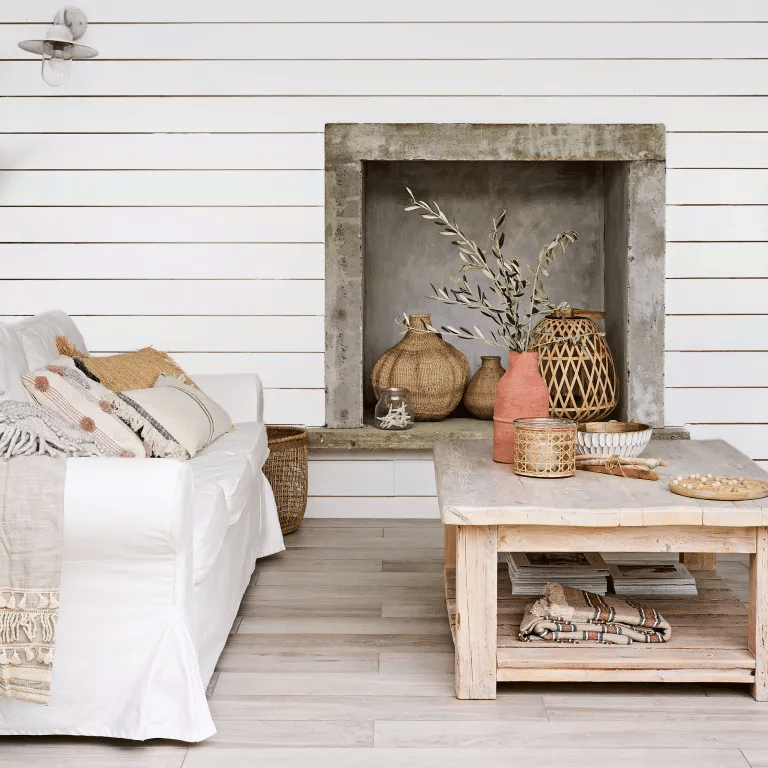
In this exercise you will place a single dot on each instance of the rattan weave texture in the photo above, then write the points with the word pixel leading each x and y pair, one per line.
pixel 287 470
pixel 581 375
pixel 432 370
pixel 545 447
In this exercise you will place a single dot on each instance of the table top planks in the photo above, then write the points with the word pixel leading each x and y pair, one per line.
pixel 472 489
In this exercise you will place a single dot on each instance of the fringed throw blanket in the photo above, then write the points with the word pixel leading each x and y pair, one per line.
pixel 31 513
pixel 567 615
pixel 29 430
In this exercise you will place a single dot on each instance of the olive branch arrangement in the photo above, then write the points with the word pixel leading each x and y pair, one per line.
pixel 514 326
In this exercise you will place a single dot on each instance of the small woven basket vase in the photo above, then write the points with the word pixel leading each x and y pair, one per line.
pixel 287 470
pixel 545 447
pixel 580 374
pixel 481 391
pixel 433 371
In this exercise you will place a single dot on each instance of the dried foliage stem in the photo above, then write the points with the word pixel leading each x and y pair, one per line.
pixel 514 327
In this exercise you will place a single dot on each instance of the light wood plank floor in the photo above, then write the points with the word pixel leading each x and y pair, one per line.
pixel 341 656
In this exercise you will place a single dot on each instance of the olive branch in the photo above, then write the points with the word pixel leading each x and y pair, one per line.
pixel 514 325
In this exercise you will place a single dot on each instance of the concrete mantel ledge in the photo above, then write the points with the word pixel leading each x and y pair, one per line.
pixel 424 434
pixel 353 143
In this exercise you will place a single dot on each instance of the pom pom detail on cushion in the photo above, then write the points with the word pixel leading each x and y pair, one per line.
pixel 30 430
pixel 78 400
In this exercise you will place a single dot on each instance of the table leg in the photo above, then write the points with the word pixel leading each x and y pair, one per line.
pixel 757 626
pixel 476 571
pixel 699 561
pixel 450 546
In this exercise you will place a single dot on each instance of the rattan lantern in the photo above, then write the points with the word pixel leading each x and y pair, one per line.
pixel 577 365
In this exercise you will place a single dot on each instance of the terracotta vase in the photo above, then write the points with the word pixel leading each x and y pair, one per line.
pixel 482 387
pixel 521 393
pixel 434 372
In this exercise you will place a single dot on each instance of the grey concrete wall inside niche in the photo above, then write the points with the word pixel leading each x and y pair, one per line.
pixel 405 253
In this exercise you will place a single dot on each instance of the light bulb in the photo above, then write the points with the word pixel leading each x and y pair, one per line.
pixel 57 61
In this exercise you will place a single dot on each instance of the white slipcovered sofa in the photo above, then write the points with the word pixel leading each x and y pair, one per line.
pixel 156 556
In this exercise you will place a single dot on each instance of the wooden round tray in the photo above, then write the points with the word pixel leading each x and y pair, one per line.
pixel 744 488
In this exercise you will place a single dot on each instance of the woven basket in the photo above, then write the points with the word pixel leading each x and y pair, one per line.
pixel 481 390
pixel 433 371
pixel 287 469
pixel 581 375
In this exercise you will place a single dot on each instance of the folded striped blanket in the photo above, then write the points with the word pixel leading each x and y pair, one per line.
pixel 567 615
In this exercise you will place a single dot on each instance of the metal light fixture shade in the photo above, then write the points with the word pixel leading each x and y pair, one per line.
pixel 58 46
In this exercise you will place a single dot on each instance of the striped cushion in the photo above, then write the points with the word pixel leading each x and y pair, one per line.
pixel 174 419
pixel 60 387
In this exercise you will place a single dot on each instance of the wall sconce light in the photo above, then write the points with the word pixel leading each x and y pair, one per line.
pixel 58 48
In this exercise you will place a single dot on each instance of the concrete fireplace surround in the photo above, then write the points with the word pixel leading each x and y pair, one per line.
pixel 632 178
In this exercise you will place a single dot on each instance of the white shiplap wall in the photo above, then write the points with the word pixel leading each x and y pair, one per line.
pixel 171 192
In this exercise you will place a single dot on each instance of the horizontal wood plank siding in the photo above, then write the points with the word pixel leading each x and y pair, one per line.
pixel 254 41
pixel 292 114
pixel 163 261
pixel 171 193
pixel 148 11
pixel 139 224
pixel 300 187
pixel 573 77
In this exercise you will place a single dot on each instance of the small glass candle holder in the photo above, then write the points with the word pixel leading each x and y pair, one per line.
pixel 545 447
pixel 394 410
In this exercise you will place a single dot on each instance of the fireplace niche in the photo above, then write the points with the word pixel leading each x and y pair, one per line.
pixel 605 181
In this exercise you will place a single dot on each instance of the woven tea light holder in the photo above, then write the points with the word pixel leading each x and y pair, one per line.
pixel 545 447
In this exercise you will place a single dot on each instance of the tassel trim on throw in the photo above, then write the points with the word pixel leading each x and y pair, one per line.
pixel 12 656
pixel 34 599
pixel 155 437
pixel 554 603
pixel 28 620
pixel 28 624
pixel 21 441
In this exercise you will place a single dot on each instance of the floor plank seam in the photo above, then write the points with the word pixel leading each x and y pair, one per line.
pixel 314 698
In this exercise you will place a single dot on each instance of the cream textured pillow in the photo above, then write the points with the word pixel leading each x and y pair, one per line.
pixel 174 419
pixel 61 388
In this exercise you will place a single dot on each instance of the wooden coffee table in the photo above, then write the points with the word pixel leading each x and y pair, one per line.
pixel 488 509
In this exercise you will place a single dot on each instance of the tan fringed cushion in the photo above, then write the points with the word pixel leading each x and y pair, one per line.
pixel 67 348
pixel 131 370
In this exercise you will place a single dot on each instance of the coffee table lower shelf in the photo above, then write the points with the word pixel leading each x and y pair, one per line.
pixel 708 644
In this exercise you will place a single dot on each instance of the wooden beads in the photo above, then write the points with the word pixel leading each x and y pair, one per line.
pixel 720 487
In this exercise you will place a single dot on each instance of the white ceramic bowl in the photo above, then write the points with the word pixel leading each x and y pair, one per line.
pixel 598 437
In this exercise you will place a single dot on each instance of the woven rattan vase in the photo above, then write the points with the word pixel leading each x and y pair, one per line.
pixel 581 375
pixel 481 390
pixel 286 468
pixel 434 372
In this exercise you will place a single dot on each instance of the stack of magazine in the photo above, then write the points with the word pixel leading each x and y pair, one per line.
pixel 652 580
pixel 529 572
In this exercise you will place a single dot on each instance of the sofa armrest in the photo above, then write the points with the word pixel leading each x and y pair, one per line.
pixel 126 509
pixel 241 395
